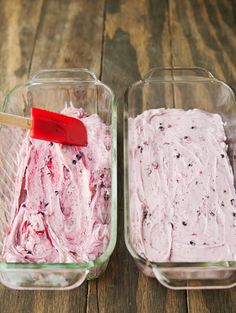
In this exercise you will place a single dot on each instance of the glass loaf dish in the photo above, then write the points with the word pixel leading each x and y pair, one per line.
pixel 52 90
pixel 185 88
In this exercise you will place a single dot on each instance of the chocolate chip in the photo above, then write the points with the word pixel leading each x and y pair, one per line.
pixel 155 165
pixel 51 144
pixel 222 203
pixel 102 175
pixel 234 214
pixel 172 225
pixel 29 252
pixel 178 155
pixel 42 213
pixel 184 223
pixel 185 137
pixel 224 191
pixel 232 201
pixel 56 192
pixel 222 155
pixel 78 157
pixel 161 128
pixel 149 171
pixel 74 161
pixel 145 213
pixel 196 182
pixel 140 148
pixel 193 127
pixel 212 213
pixel 46 204
pixel 73 252
pixel 190 165
pixel 192 243
pixel 106 196
pixel 204 243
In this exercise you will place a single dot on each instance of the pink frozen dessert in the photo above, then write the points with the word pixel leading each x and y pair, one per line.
pixel 181 191
pixel 62 204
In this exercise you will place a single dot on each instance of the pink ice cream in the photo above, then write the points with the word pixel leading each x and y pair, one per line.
pixel 62 203
pixel 181 191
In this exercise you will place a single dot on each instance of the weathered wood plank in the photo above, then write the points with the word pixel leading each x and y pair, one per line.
pixel 70 35
pixel 203 34
pixel 136 39
pixel 212 301
pixel 234 9
pixel 59 301
pixel 19 20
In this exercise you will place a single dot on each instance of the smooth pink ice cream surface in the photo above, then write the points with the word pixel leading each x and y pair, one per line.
pixel 62 204
pixel 181 192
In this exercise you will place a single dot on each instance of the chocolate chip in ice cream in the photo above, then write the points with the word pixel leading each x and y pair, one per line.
pixel 78 156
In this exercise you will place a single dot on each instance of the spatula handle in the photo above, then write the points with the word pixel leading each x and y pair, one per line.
pixel 15 120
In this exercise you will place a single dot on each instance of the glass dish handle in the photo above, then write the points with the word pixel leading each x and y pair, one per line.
pixel 76 74
pixel 195 278
pixel 45 279
pixel 177 73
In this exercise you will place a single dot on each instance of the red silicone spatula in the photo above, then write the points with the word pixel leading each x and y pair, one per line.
pixel 50 126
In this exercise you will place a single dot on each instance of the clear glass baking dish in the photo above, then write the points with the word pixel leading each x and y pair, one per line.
pixel 52 90
pixel 185 88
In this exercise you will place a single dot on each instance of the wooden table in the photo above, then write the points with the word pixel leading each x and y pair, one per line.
pixel 119 40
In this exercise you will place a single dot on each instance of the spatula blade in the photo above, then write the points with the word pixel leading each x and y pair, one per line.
pixel 55 127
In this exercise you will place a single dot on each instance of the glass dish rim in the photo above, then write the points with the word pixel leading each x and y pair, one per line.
pixel 230 265
pixel 113 238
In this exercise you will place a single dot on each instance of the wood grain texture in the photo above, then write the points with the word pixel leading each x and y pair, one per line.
pixel 136 38
pixel 212 301
pixel 234 9
pixel 203 33
pixel 19 20
pixel 69 35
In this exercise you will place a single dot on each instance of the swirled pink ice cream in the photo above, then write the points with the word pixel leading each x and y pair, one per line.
pixel 62 204
pixel 181 188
